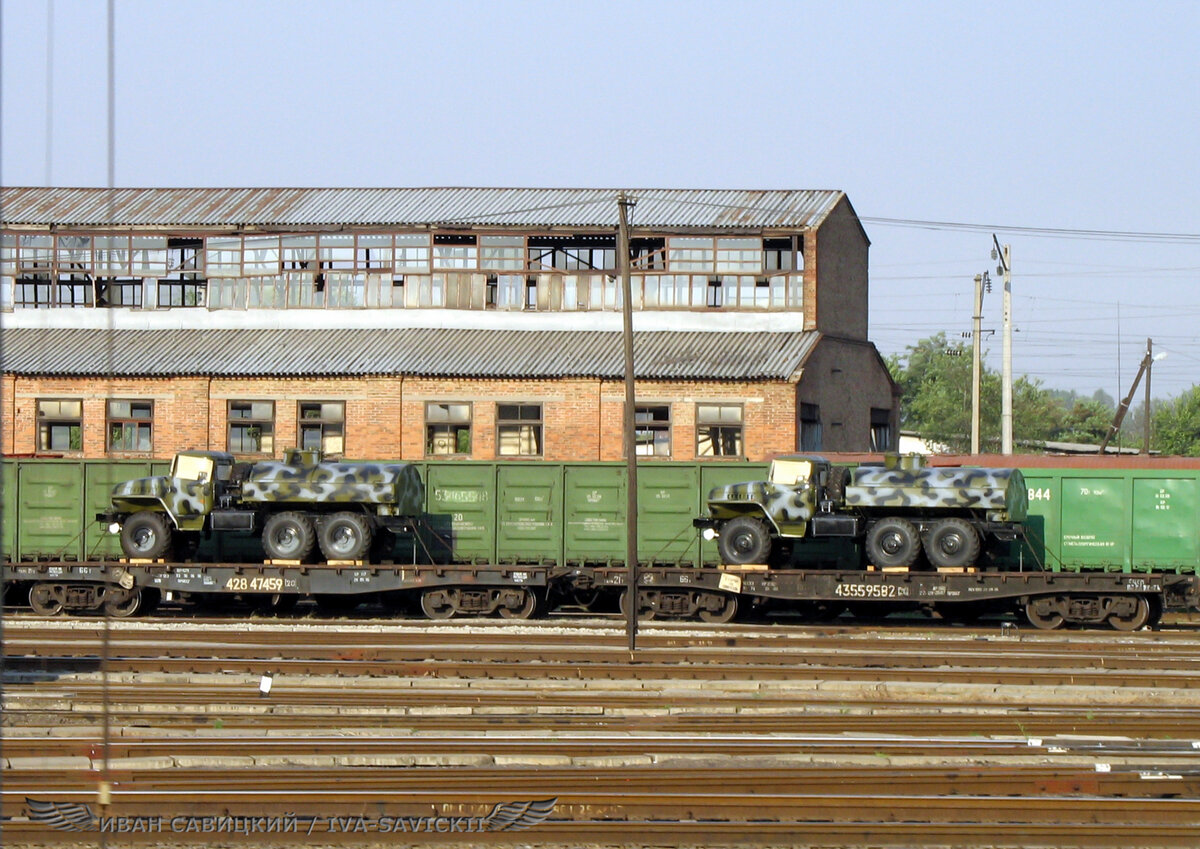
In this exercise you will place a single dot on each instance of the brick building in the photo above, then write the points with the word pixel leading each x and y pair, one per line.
pixel 413 323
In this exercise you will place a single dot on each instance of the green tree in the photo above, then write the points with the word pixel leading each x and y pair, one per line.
pixel 1177 424
pixel 934 377
pixel 1086 422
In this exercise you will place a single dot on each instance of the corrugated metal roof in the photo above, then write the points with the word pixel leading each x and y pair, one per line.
pixel 293 208
pixel 427 352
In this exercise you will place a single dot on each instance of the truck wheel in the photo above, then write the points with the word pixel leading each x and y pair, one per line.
pixel 893 542
pixel 287 536
pixel 345 536
pixel 146 535
pixel 952 542
pixel 744 540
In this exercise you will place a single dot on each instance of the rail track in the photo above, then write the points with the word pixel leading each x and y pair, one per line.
pixel 755 735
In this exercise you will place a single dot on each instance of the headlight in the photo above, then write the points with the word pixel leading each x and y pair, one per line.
pixel 709 533
pixel 114 528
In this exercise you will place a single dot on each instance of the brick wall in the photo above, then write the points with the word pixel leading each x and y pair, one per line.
pixel 385 416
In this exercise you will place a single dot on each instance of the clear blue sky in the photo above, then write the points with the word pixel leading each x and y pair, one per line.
pixel 1047 115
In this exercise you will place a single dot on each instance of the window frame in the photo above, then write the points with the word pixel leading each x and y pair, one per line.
pixel 127 421
pixel 337 427
pixel 452 427
pixel 653 426
pixel 740 427
pixel 519 424
pixel 881 425
pixel 43 421
pixel 249 422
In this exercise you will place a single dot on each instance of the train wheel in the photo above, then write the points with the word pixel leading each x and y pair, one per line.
pixel 46 599
pixel 645 609
pixel 439 603
pixel 1044 612
pixel 346 536
pixel 744 540
pixel 121 603
pixel 893 542
pixel 288 536
pixel 952 542
pixel 724 607
pixel 1132 619
pixel 146 535
pixel 523 610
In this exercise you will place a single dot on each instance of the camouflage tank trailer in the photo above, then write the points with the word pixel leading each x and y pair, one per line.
pixel 295 505
pixel 895 511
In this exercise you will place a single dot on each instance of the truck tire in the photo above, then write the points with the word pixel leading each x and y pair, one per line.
pixel 288 536
pixel 346 536
pixel 744 540
pixel 952 542
pixel 146 535
pixel 893 542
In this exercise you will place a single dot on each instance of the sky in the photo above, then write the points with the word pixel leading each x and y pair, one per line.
pixel 1069 131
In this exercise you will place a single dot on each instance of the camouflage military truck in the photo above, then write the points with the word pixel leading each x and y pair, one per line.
pixel 295 505
pixel 896 510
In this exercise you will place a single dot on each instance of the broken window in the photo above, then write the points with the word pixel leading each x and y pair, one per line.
pixel 652 430
pixel 33 293
pixel 647 254
pixel 298 252
pixel 260 255
pixel 447 428
pixel 503 253
pixel 573 253
pixel 455 251
pixel 881 429
pixel 719 430
pixel 118 293
pixel 148 256
pixel 779 254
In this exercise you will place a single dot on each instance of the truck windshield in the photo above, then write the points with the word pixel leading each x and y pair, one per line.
pixel 192 468
pixel 790 472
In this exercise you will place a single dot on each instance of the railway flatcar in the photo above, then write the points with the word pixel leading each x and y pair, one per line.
pixel 512 538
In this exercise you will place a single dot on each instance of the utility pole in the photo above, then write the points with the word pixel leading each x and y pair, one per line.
pixel 1149 368
pixel 630 435
pixel 1147 361
pixel 975 364
pixel 1004 254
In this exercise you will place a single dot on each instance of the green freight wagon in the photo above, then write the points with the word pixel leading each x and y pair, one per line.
pixel 1117 520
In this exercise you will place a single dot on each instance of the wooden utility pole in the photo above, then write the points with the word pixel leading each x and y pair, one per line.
pixel 630 441
pixel 1123 408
